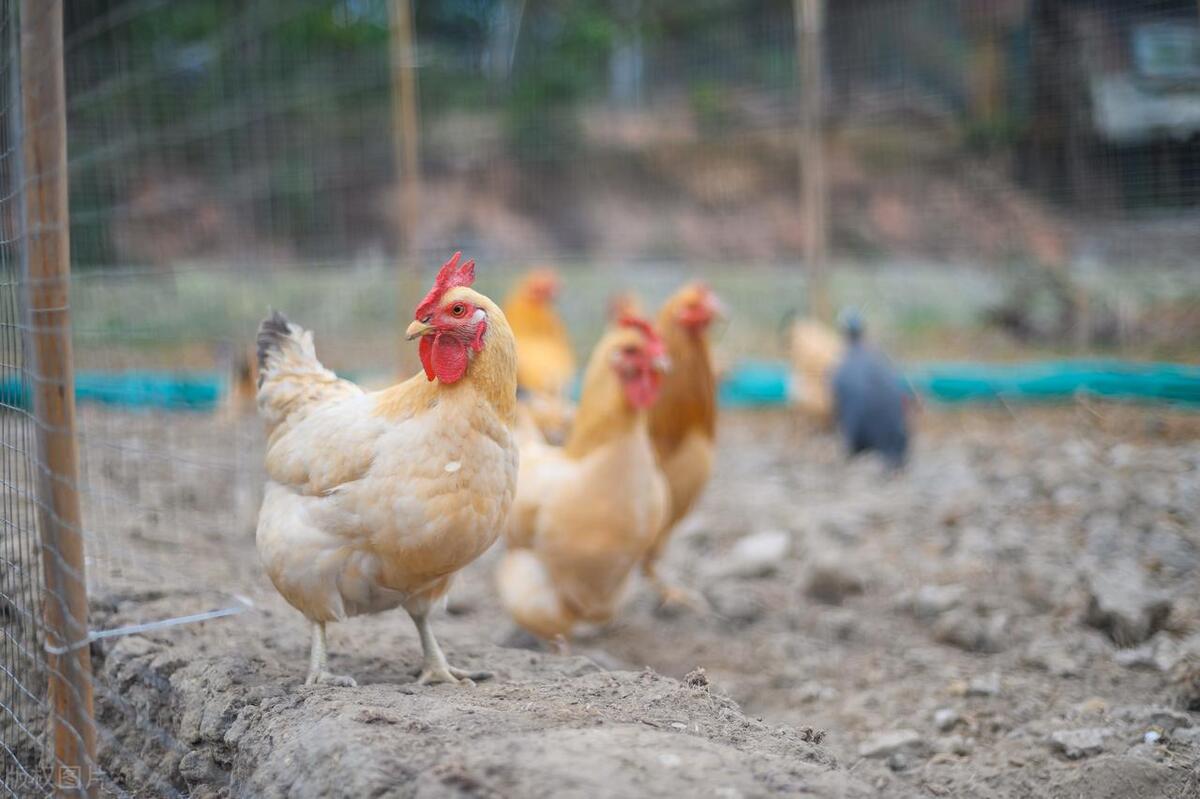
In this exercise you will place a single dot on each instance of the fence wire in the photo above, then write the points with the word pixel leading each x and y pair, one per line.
pixel 1022 169
pixel 23 667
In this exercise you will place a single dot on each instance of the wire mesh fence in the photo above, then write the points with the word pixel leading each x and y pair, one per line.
pixel 1003 167
pixel 24 679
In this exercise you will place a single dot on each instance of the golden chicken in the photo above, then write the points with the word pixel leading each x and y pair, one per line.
pixel 585 513
pixel 683 423
pixel 545 360
pixel 816 350
pixel 375 500
pixel 241 369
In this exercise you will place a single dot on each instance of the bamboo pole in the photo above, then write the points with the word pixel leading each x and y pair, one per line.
pixel 406 149
pixel 810 21
pixel 47 264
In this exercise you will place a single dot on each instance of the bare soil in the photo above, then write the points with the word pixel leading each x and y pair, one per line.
pixel 1012 616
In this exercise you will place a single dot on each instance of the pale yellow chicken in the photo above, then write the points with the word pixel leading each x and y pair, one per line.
pixel 375 500
pixel 585 514
pixel 816 350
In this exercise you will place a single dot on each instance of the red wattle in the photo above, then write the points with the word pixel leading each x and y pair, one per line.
pixel 426 352
pixel 448 358
pixel 642 390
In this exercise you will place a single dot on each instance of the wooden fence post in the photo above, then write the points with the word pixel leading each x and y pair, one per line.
pixel 406 152
pixel 810 22
pixel 48 270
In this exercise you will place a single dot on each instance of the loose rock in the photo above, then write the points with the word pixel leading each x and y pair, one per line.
pixel 985 685
pixel 933 600
pixel 756 555
pixel 886 744
pixel 1123 607
pixel 1075 744
pixel 946 719
pixel 831 582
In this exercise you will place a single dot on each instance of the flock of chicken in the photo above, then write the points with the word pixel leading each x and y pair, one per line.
pixel 375 500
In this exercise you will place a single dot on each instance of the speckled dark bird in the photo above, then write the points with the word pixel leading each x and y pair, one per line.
pixel 869 398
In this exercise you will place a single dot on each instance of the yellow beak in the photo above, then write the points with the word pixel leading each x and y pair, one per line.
pixel 417 329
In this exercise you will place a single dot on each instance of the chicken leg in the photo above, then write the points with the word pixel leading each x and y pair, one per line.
pixel 318 674
pixel 672 597
pixel 434 668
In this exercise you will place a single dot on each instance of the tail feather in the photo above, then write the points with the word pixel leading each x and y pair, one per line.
pixel 291 380
pixel 273 335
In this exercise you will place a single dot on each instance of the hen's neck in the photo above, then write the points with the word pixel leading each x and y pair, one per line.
pixel 688 401
pixel 604 414
pixel 493 370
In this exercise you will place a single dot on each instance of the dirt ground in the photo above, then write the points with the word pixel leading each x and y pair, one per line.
pixel 1012 616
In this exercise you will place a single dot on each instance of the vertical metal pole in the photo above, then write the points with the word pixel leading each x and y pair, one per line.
pixel 810 22
pixel 48 268
pixel 405 144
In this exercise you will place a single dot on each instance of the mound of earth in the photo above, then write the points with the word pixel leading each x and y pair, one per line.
pixel 545 725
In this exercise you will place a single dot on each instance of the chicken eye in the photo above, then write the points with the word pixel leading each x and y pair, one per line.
pixel 459 309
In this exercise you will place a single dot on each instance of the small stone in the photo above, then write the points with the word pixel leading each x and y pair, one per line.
pixel 898 761
pixel 1076 744
pixel 197 766
pixel 1122 606
pixel 731 600
pixel 1187 735
pixel 1153 716
pixel 831 582
pixel 934 600
pixel 886 744
pixel 971 631
pixel 1160 653
pixel 984 685
pixel 946 719
pixel 1049 655
pixel 756 555
pixel 1152 737
pixel 954 745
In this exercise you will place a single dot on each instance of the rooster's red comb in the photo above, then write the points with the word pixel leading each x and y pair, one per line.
pixel 451 275
pixel 653 341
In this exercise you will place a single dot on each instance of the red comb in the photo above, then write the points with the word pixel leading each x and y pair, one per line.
pixel 451 275
pixel 637 323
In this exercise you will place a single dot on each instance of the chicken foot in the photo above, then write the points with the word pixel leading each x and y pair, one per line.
pixel 318 674
pixel 673 597
pixel 434 668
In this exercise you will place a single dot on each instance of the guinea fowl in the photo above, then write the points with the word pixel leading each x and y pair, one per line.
pixel 869 398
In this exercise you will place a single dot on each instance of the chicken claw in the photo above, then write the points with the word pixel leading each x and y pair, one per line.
pixel 435 669
pixel 328 678
pixel 449 674
pixel 675 598
pixel 317 673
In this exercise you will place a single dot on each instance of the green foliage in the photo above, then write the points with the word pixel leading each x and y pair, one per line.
pixel 562 58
